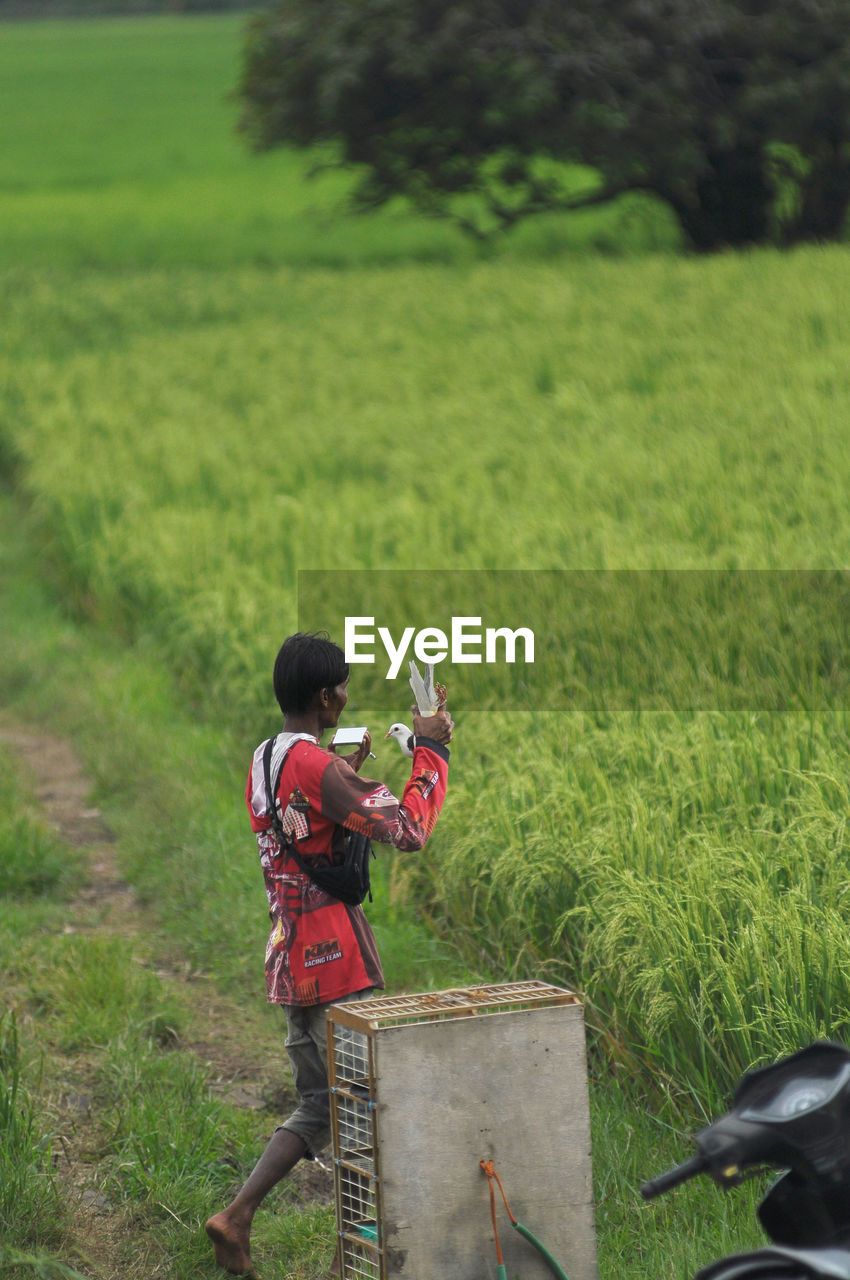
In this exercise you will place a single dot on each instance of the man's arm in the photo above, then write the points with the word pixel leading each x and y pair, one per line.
pixel 371 808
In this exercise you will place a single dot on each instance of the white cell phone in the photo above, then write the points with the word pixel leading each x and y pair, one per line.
pixel 350 737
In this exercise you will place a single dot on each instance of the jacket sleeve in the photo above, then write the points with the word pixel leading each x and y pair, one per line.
pixel 371 808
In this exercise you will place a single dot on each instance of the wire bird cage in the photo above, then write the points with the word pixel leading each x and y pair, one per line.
pixel 422 1087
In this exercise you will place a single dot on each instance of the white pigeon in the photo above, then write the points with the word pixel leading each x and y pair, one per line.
pixel 403 736
pixel 423 690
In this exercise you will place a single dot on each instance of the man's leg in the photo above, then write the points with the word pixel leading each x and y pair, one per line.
pixel 305 1132
pixel 230 1230
pixel 306 1046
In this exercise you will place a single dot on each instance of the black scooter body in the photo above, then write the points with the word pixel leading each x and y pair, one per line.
pixel 798 1222
pixel 794 1114
pixel 778 1263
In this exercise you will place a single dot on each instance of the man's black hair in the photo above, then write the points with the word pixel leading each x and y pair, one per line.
pixel 306 663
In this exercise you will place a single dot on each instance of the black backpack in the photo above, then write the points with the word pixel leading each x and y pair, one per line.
pixel 349 881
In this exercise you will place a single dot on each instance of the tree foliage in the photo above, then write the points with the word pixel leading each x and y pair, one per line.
pixel 735 112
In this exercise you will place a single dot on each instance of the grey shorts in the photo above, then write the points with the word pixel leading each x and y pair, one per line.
pixel 307 1048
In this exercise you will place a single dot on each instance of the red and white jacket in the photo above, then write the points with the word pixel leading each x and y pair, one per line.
pixel 319 948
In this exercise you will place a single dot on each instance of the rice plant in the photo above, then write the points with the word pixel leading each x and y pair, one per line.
pixel 689 878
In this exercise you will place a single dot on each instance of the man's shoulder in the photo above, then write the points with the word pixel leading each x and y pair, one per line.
pixel 280 754
pixel 306 754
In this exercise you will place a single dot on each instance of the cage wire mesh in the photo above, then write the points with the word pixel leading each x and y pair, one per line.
pixel 351 1055
pixel 360 1262
pixel 357 1193
pixel 354 1109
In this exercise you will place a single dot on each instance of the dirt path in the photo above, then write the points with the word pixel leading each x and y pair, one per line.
pixel 107 905
pixel 62 790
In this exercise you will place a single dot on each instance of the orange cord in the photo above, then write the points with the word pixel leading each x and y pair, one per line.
pixel 489 1168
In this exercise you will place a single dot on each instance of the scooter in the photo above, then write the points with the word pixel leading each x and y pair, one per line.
pixel 795 1116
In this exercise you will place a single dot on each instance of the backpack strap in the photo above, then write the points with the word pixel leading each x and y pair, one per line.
pixel 348 881
pixel 285 841
pixel 271 795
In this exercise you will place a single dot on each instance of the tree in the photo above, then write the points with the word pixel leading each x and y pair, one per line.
pixel 735 112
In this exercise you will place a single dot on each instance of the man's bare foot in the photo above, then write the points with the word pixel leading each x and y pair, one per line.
pixel 231 1247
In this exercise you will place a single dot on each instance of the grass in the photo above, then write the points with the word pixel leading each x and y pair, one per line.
pixel 32 861
pixel 98 994
pixel 30 1205
pixel 19 1264
pixel 100 1019
pixel 171 1174
pixel 146 167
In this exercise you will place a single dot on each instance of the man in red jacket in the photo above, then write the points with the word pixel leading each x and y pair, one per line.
pixel 320 950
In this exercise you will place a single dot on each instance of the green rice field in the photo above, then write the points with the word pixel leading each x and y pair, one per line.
pixel 213 377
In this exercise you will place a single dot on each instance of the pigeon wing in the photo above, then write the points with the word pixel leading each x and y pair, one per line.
pixel 429 685
pixel 426 701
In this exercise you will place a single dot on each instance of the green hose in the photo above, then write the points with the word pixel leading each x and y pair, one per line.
pixel 488 1167
pixel 554 1267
